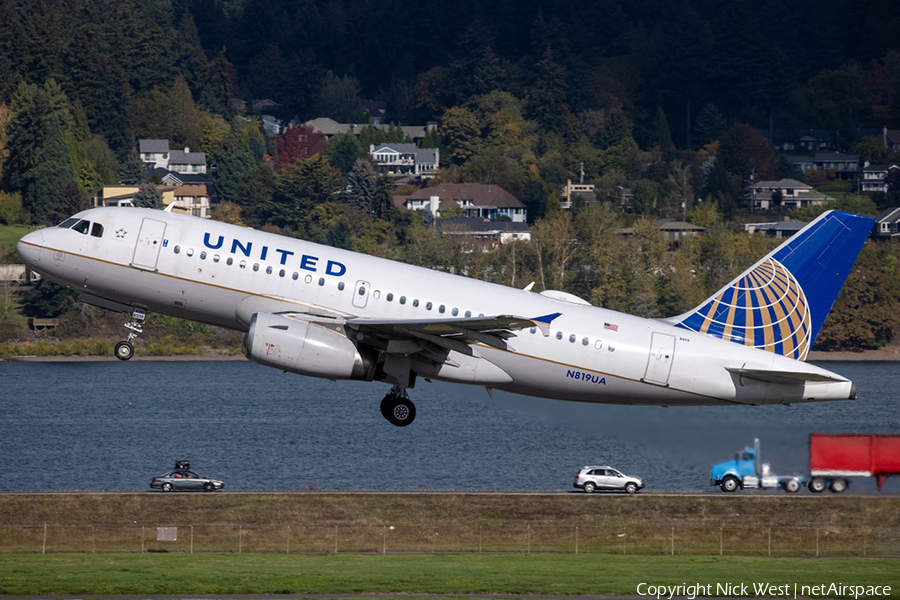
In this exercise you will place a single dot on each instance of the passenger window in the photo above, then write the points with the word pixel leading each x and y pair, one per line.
pixel 268 270
pixel 428 306
pixel 203 255
pixel 177 249
pixel 229 261
pixel 402 299
pixel 442 308
pixel 308 279
pixel 598 344
pixel 321 281
pixel 559 335
pixel 389 297
pixel 585 342
pixel 533 330
pixel 97 230
pixel 82 226
pixel 190 252
pixel 376 294
pixel 572 339
pixel 243 264
pixel 295 276
pixel 281 273
pixel 468 313
pixel 215 258
pixel 256 266
pixel 454 312
pixel 415 303
pixel 341 286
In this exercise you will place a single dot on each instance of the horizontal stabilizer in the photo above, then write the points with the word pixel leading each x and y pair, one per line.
pixel 772 376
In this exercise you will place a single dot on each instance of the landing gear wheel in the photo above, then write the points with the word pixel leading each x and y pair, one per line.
pixel 631 488
pixel 816 485
pixel 124 350
pixel 166 487
pixel 838 485
pixel 729 484
pixel 402 412
pixel 397 408
pixel 589 487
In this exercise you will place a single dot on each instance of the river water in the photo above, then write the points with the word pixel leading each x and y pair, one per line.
pixel 113 425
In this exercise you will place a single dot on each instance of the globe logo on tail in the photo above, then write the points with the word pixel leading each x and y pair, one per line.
pixel 766 308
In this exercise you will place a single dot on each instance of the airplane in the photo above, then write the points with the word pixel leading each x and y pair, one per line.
pixel 323 312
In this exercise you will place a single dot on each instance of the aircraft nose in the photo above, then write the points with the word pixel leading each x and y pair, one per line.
pixel 29 247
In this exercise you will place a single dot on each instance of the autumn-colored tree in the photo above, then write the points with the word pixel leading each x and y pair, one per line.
pixel 298 143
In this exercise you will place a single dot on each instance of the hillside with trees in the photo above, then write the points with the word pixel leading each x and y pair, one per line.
pixel 676 102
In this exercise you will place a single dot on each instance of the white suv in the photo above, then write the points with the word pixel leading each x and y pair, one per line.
pixel 606 478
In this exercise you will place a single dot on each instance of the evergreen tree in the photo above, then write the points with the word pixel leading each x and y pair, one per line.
pixel 360 188
pixel 148 196
pixel 70 199
pixel 131 171
pixel 53 167
pixel 343 151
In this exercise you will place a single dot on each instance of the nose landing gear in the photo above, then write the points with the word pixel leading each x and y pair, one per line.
pixel 397 408
pixel 124 349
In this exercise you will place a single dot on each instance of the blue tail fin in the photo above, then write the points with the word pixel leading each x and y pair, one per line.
pixel 781 302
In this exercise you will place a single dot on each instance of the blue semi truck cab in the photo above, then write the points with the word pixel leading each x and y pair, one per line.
pixel 747 471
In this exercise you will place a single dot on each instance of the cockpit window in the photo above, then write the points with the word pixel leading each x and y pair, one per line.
pixel 97 230
pixel 68 223
pixel 82 226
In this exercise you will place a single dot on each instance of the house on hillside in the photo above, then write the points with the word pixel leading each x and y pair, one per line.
pixel 187 199
pixel 787 193
pixel 874 178
pixel 674 231
pixel 776 229
pixel 156 154
pixel 488 234
pixel 405 159
pixel 330 128
pixel 477 200
pixel 845 166
pixel 887 224
pixel 574 191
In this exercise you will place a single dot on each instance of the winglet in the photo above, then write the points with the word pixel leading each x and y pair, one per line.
pixel 543 323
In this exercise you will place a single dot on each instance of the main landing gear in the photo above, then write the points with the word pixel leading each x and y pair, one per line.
pixel 397 408
pixel 124 349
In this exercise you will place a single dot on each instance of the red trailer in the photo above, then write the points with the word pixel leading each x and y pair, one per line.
pixel 835 457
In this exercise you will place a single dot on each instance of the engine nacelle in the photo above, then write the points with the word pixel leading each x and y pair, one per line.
pixel 306 348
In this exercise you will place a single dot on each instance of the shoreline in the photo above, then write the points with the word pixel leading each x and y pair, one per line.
pixel 888 354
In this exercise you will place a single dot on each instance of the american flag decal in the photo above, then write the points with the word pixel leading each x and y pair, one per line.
pixel 611 326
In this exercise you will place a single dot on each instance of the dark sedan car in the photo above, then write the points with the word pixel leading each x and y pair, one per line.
pixel 184 480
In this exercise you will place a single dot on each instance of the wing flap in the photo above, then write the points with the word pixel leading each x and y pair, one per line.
pixel 772 376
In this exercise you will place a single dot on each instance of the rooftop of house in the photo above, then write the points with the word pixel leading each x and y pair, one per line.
pixel 153 146
pixel 479 193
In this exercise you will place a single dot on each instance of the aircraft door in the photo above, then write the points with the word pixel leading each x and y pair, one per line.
pixel 361 294
pixel 149 243
pixel 659 363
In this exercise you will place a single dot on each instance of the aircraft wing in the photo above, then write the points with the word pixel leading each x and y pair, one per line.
pixel 492 331
pixel 773 376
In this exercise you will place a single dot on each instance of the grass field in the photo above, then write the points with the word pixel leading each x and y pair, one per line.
pixel 469 574
pixel 10 234
pixel 489 544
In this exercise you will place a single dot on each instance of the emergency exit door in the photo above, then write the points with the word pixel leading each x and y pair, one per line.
pixel 659 363
pixel 149 243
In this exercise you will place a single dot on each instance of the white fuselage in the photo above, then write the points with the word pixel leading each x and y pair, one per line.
pixel 222 274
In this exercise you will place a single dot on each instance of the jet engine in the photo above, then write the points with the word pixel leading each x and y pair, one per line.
pixel 306 348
